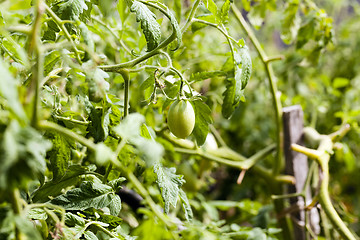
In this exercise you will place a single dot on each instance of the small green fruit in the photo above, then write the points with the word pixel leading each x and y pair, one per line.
pixel 181 118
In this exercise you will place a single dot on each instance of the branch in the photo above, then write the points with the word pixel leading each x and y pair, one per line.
pixel 278 165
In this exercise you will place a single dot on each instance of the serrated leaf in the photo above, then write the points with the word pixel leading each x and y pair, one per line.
pixel 37 213
pixel 186 205
pixel 149 25
pixel 73 220
pixel 234 92
pixel 72 9
pixel 169 184
pixel 202 121
pixel 52 188
pixel 89 194
pixel 199 76
pixel 59 155
pixel 246 66
pixel 8 90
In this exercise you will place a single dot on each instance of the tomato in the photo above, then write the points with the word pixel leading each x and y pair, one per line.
pixel 181 118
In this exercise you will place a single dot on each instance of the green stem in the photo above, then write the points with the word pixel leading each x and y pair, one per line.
pixel 322 156
pixel 278 165
pixel 37 73
pixel 50 126
pixel 325 201
pixel 61 25
pixel 191 16
pixel 16 201
pixel 126 76
pixel 16 205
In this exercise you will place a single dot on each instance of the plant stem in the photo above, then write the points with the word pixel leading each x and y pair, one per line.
pixel 37 73
pixel 322 156
pixel 325 201
pixel 279 162
pixel 126 76
pixel 61 25
pixel 46 125
pixel 278 165
pixel 191 16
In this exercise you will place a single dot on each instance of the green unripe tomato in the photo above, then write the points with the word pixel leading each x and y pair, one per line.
pixel 181 118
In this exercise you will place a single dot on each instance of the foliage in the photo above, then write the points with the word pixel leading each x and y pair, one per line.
pixel 86 85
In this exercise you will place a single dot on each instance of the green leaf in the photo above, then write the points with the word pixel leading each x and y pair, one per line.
pixel 186 205
pixel 169 184
pixel 59 155
pixel 53 189
pixel 122 10
pixel 290 23
pixel 223 14
pixel 211 6
pixel 234 92
pixel 150 81
pixel 37 213
pixel 72 220
pixel 195 26
pixel 8 90
pixel 100 120
pixel 202 121
pixel 306 31
pixel 90 194
pixel 13 49
pixel 22 156
pixel 72 9
pixel 199 76
pixel 149 25
pixel 246 66
pixel 50 60
pixel 88 235
pixel 228 106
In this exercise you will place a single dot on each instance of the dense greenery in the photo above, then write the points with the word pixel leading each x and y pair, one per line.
pixel 85 91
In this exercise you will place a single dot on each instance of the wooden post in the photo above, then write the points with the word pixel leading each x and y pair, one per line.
pixel 297 166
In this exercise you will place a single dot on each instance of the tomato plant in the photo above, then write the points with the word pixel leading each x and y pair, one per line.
pixel 91 91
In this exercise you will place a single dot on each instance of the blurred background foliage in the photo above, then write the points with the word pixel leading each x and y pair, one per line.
pixel 321 74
